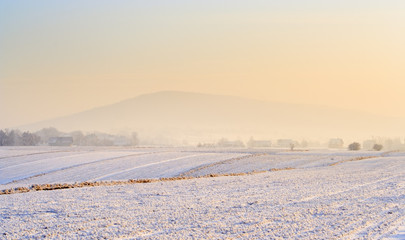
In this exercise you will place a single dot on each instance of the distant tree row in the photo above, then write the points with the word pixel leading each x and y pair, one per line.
pixel 289 143
pixel 44 136
pixel 18 138
pixel 90 139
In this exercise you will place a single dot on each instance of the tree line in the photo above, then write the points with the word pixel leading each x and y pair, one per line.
pixel 18 138
pixel 15 137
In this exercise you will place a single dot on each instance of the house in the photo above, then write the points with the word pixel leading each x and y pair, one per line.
pixel 286 142
pixel 259 143
pixel 335 143
pixel 230 144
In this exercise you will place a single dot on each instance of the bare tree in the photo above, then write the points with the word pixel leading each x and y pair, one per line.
pixel 292 146
pixel 29 139
pixel 3 137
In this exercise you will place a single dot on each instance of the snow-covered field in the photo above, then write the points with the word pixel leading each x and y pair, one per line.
pixel 320 194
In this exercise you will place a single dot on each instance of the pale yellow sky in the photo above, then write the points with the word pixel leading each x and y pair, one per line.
pixel 59 58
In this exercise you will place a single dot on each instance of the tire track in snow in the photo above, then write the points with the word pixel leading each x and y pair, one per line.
pixel 307 199
pixel 44 160
pixel 369 226
pixel 358 186
pixel 387 222
pixel 29 154
pixel 146 165
pixel 391 218
pixel 210 165
pixel 360 158
pixel 350 189
pixel 79 165
pixel 375 227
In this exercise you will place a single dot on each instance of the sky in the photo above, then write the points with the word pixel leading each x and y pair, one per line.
pixel 63 57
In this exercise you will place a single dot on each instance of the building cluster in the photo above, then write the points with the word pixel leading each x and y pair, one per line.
pixel 375 144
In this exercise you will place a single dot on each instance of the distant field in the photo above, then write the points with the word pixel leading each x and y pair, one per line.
pixel 320 194
pixel 21 166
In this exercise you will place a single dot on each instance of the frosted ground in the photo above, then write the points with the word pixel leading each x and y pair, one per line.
pixel 318 194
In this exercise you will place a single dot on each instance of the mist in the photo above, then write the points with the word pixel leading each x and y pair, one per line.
pixel 186 118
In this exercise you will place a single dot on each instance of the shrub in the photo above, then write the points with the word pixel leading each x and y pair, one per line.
pixel 377 147
pixel 354 146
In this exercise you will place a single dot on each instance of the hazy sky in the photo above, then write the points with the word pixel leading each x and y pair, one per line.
pixel 62 57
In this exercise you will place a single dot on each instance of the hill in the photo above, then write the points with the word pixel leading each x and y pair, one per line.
pixel 200 117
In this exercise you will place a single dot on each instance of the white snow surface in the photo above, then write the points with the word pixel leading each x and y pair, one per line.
pixel 357 198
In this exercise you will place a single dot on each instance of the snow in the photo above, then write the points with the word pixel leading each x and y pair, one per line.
pixel 27 166
pixel 400 235
pixel 95 164
pixel 328 194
